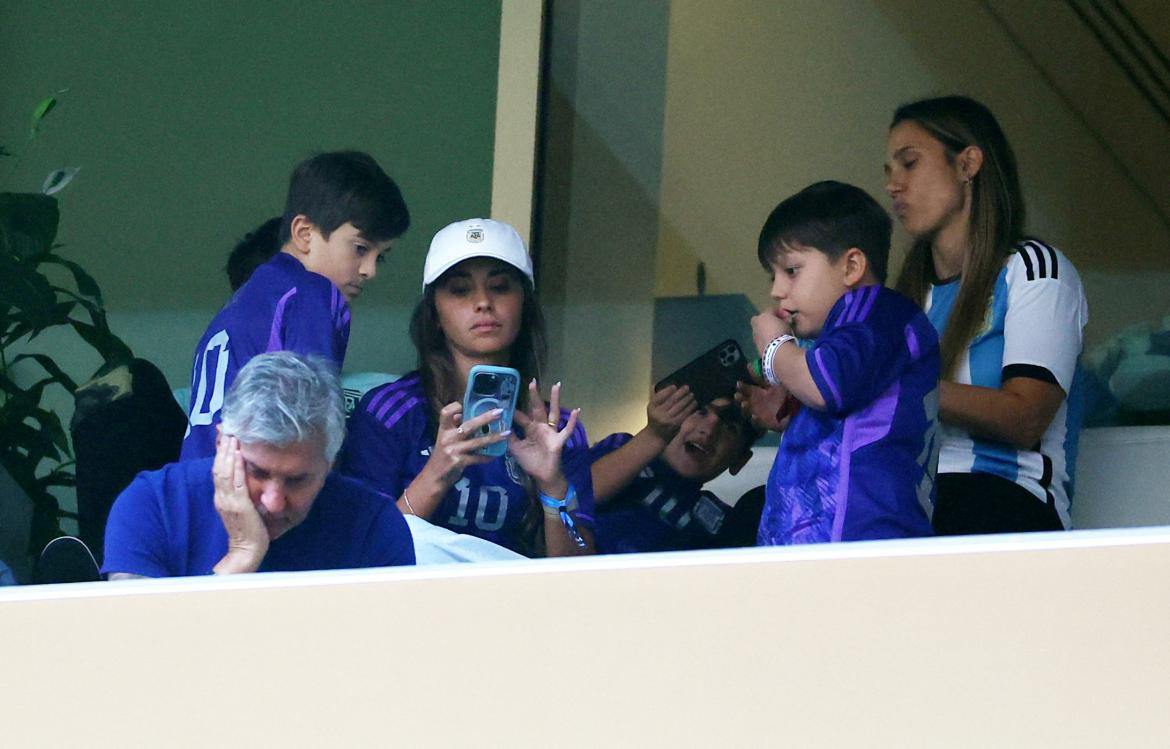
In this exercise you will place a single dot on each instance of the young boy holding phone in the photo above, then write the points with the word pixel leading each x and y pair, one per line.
pixel 341 214
pixel 649 486
pixel 857 459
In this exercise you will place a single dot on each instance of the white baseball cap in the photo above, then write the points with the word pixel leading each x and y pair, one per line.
pixel 475 237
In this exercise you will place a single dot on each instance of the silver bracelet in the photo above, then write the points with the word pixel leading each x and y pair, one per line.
pixel 406 499
pixel 770 354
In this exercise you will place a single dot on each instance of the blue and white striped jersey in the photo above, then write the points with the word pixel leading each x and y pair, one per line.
pixel 1034 328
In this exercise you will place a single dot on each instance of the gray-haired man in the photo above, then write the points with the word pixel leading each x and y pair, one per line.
pixel 267 501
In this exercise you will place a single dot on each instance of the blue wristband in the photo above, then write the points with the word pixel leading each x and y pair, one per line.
pixel 564 508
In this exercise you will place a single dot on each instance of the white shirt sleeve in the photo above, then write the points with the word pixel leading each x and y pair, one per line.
pixel 1046 312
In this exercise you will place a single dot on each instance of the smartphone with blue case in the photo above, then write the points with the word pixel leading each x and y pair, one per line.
pixel 489 388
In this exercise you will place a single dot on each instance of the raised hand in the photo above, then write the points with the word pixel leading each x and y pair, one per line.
pixel 766 326
pixel 457 446
pixel 247 535
pixel 668 409
pixel 539 453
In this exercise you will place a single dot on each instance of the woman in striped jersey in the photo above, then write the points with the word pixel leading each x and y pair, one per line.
pixel 408 438
pixel 1010 313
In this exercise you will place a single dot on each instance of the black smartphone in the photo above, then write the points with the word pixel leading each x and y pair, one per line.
pixel 713 374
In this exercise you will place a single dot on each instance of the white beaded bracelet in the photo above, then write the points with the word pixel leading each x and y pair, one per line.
pixel 770 354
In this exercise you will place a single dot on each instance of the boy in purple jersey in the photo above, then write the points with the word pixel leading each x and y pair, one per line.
pixel 341 215
pixel 649 486
pixel 857 460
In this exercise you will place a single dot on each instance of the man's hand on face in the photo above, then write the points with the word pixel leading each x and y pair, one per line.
pixel 247 534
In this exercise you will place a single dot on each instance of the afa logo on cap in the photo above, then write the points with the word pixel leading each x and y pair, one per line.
pixel 475 234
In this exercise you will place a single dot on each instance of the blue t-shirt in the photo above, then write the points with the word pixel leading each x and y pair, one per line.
pixel 658 511
pixel 165 525
pixel 282 307
pixel 863 468
pixel 390 437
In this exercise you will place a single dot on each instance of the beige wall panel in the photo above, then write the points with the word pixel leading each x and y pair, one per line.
pixel 1055 640
pixel 765 98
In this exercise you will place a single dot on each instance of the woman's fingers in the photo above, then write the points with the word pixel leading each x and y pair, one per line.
pixel 554 409
pixel 472 427
pixel 536 409
pixel 570 423
pixel 449 415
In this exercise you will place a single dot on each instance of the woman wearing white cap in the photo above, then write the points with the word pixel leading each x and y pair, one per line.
pixel 408 438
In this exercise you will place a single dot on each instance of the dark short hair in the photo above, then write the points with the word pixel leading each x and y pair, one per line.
pixel 830 217
pixel 345 186
pixel 256 248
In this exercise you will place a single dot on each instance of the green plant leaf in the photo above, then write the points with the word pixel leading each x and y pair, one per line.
pixel 110 346
pixel 58 179
pixel 29 294
pixel 85 283
pixel 28 223
pixel 43 107
pixel 50 366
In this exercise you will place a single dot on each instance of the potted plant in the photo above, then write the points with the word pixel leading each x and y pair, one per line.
pixel 41 289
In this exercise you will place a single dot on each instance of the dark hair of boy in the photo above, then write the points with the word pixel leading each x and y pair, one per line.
pixel 341 187
pixel 831 217
pixel 256 248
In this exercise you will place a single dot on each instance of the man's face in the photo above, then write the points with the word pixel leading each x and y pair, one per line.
pixel 284 481
pixel 708 442
pixel 347 258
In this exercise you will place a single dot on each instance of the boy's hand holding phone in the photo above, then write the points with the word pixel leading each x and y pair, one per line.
pixel 668 409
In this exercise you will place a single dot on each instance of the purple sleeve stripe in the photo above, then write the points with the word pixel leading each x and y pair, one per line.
pixel 379 396
pixel 395 398
pixel 385 391
pixel 397 415
pixel 847 309
pixel 824 376
pixel 871 295
pixel 856 301
pixel 912 342
pixel 275 343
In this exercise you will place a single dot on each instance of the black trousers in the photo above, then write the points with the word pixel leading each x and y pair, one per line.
pixel 967 503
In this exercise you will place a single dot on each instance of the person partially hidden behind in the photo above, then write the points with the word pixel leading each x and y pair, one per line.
pixel 268 500
pixel 649 486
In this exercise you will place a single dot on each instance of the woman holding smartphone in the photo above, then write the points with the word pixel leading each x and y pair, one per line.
pixel 409 438
pixel 1010 313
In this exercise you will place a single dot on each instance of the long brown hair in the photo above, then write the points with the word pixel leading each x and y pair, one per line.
pixel 436 368
pixel 997 216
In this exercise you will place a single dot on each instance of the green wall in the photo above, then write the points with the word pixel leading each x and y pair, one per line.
pixel 186 119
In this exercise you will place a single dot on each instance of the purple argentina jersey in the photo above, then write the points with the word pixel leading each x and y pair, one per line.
pixel 864 467
pixel 659 510
pixel 390 440
pixel 282 307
